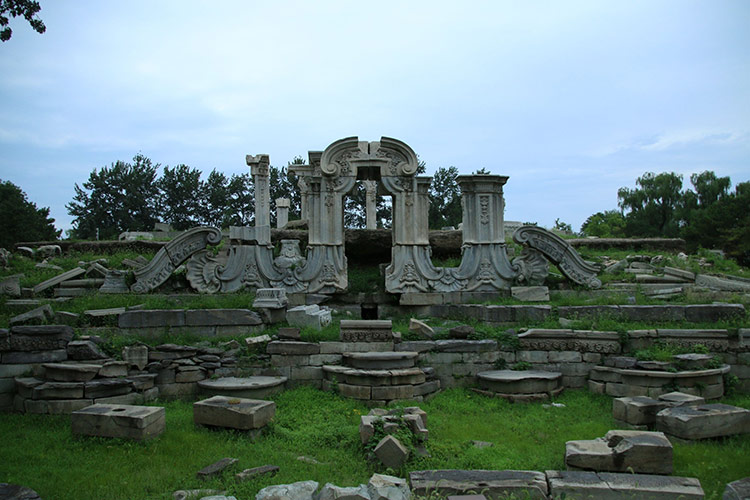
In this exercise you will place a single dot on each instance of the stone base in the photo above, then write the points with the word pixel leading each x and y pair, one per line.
pixel 233 413
pixel 614 486
pixel 247 387
pixel 119 421
pixel 703 421
pixel 521 398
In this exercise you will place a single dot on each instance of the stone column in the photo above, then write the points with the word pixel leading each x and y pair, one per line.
pixel 259 169
pixel 482 200
pixel 371 188
pixel 282 212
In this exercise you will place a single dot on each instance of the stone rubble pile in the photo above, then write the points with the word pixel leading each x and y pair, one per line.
pixel 389 450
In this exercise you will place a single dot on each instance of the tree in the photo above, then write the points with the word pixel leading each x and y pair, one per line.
pixel 118 198
pixel 21 220
pixel 653 208
pixel 445 199
pixel 240 210
pixel 215 206
pixel 283 184
pixel 180 196
pixel 27 9
pixel 607 224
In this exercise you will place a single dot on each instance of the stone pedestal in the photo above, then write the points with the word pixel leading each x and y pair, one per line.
pixel 703 421
pixel 233 413
pixel 119 421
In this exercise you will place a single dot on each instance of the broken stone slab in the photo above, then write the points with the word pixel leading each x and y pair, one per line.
pixel 111 369
pixel 270 298
pixel 222 317
pixel 637 410
pixel 619 486
pixel 263 470
pixel 530 293
pixel 233 413
pixel 105 388
pixel 391 452
pixel 37 316
pixel 366 331
pixel 293 348
pixel 68 275
pixel 384 487
pixel 681 399
pixel 494 483
pixel 722 283
pixel 119 421
pixel 621 451
pixel 380 360
pixel 114 282
pixel 24 357
pixel 68 372
pixel 461 332
pixel 257 387
pixel 737 490
pixel 216 468
pixel 84 350
pixel 421 328
pixel 520 381
pixel 703 421
pixel 289 333
pixel 135 356
pixel 692 361
pixel 333 492
pixel 254 343
pixel 301 490
pixel 11 285
pixel 58 390
pixel 312 316
pixel 197 494
pixel 10 491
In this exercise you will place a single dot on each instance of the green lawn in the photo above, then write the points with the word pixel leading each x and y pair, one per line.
pixel 39 451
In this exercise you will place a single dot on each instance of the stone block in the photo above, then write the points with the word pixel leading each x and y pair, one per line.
pixel 637 410
pixel 530 293
pixel 270 298
pixel 293 348
pixel 737 490
pixel 622 451
pixel 151 318
pixel 366 331
pixel 84 350
pixel 58 390
pixel 565 357
pixel 37 316
pixel 421 328
pixel 703 421
pixel 119 421
pixel 463 346
pixel 342 347
pixel 103 388
pixel 67 406
pixel 222 317
pixel 312 316
pixel 301 490
pixel 681 399
pixel 306 373
pixel 354 391
pixel 383 487
pixel 183 376
pixel 68 275
pixel 533 356
pixel 616 486
pixel 131 398
pixel 40 338
pixel 700 313
pixel 68 372
pixel 135 356
pixel 26 357
pixel 216 468
pixel 391 452
pixel 250 474
pixel 332 492
pixel 492 483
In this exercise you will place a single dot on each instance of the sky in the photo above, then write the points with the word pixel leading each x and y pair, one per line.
pixel 570 99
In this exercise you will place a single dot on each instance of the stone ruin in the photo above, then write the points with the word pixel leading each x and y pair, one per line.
pixel 388 166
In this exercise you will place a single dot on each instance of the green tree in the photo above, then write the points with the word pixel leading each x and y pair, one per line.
pixel 21 220
pixel 283 184
pixel 118 198
pixel 181 197
pixel 607 224
pixel 653 208
pixel 445 199
pixel 214 207
pixel 240 209
pixel 27 9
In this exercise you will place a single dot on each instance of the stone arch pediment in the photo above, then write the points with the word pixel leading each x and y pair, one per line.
pixel 389 157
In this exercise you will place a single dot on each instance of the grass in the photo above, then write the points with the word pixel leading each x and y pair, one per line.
pixel 39 451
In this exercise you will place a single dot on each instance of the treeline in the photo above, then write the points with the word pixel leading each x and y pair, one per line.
pixel 709 215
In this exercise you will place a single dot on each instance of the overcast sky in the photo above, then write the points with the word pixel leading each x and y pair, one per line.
pixel 571 99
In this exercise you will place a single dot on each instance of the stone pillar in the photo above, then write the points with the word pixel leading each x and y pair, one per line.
pixel 371 206
pixel 482 201
pixel 259 169
pixel 282 212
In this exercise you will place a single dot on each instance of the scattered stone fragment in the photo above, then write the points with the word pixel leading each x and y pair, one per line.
pixel 302 490
pixel 263 470
pixel 622 451
pixel 681 399
pixel 11 285
pixel 68 275
pixel 493 483
pixel 81 350
pixel 216 468
pixel 461 332
pixel 195 494
pixel 703 421
pixel 383 487
pixel 391 452
pixel 482 444
pixel 308 460
pixel 737 490
pixel 530 293
pixel 289 333
pixel 37 316
pixel 421 328
pixel 332 492
pixel 17 492
pixel 254 343
pixel 135 355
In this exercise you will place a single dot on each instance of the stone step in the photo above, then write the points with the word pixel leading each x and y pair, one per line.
pixel 380 360
pixel 70 372
pixel 372 378
pixel 513 383
pixel 242 387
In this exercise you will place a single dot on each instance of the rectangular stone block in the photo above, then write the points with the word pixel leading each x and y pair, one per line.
pixel 565 357
pixel 151 318
pixel 354 391
pixel 456 345
pixel 366 331
pixel 222 317
pixel 58 390
pixel 703 421
pixel 40 337
pixel 233 413
pixel 619 486
pixel 342 347
pixel 119 421
pixel 291 347
pixel 73 273
pixel 533 356
pixel 492 483
pixel 306 373
pixel 393 392
pixel 26 357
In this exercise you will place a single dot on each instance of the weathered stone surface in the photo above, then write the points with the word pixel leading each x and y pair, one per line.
pixel 135 356
pixel 119 421
pixel 17 492
pixel 391 452
pixel 380 360
pixel 530 293
pixel 722 283
pixel 366 331
pixel 461 332
pixel 622 451
pixel 332 492
pixel 263 470
pixel 11 285
pixel 222 317
pixel 199 494
pixel 312 316
pixel 270 298
pixel 248 387
pixel 383 487
pixel 37 316
pixel 302 490
pixel 614 486
pixel 495 483
pixel 637 410
pixel 73 273
pixel 83 350
pixel 465 345
pixel 681 399
pixel 58 390
pixel 737 490
pixel 67 406
pixel 24 357
pixel 216 468
pixel 233 413
pixel 703 421
pixel 293 348
pixel 421 328
pixel 151 318
pixel 713 312
pixel 113 368
pixel 104 388
pixel 519 382
pixel 68 372
pixel 39 338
